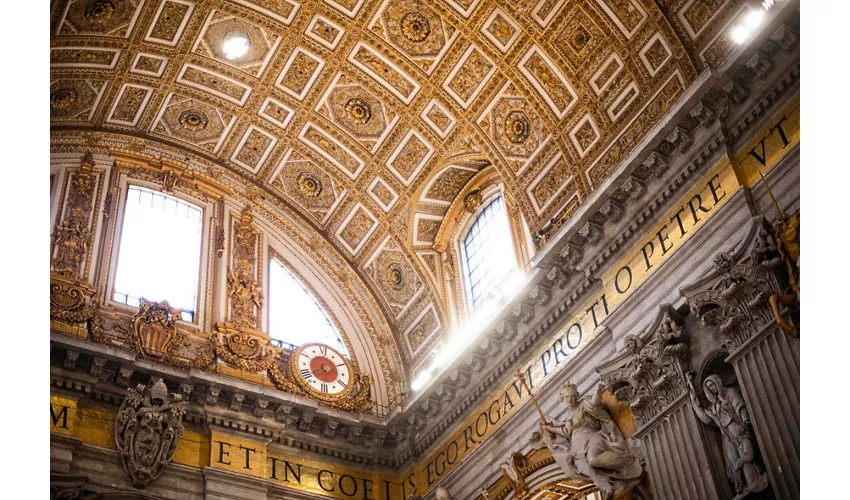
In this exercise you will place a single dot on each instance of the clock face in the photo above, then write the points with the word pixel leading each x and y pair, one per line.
pixel 324 369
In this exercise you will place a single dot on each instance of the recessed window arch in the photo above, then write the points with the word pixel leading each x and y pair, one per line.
pixel 488 254
pixel 154 267
pixel 295 317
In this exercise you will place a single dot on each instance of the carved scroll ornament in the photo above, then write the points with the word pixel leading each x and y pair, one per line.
pixel 74 308
pixel 153 333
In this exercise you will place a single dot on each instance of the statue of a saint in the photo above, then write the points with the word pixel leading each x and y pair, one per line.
pixel 589 446
pixel 728 412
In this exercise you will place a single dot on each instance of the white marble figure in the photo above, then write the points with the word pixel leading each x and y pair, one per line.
pixel 589 446
pixel 728 412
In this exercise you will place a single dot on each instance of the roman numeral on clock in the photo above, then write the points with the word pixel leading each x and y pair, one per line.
pixel 306 373
pixel 342 383
pixel 325 388
pixel 323 350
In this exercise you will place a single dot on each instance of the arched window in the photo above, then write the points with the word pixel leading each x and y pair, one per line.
pixel 150 268
pixel 294 315
pixel 488 253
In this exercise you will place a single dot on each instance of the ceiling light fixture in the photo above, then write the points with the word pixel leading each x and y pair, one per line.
pixel 235 45
pixel 742 31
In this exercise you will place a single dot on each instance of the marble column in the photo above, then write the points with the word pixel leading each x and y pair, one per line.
pixel 733 299
pixel 677 456
pixel 682 457
pixel 768 369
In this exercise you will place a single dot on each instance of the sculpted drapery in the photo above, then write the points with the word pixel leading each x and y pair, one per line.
pixel 588 445
pixel 728 412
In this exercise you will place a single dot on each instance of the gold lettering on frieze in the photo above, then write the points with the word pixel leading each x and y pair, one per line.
pixel 620 282
pixel 289 471
pixel 237 455
pixel 776 140
pixel 63 415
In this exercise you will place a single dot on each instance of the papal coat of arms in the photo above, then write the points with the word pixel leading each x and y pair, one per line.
pixel 146 431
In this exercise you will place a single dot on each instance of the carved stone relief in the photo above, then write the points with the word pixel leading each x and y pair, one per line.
pixel 244 290
pixel 72 236
pixel 147 428
pixel 727 411
pixel 737 301
pixel 653 377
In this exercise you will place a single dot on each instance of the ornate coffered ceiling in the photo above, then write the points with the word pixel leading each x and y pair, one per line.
pixel 357 115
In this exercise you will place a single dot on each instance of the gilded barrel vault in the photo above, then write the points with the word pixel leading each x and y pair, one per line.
pixel 639 161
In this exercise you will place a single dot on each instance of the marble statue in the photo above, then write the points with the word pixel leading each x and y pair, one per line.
pixel 728 412
pixel 589 446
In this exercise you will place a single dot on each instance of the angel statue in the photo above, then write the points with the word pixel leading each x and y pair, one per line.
pixel 728 412
pixel 589 446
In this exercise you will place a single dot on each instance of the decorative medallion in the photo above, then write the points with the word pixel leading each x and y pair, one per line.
pixel 517 127
pixel 147 429
pixel 206 131
pixel 415 27
pixel 193 120
pixel 99 11
pixel 358 110
pixel 395 276
pixel 420 33
pixel 63 98
pixel 580 38
pixel 309 185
